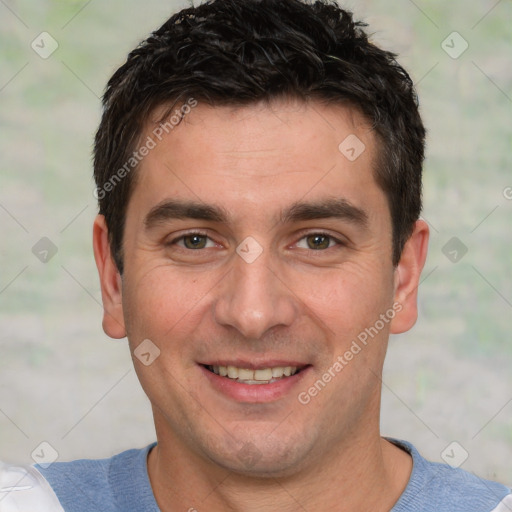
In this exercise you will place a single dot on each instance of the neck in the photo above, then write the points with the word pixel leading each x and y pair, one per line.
pixel 365 473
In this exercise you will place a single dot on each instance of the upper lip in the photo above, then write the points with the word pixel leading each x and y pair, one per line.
pixel 254 365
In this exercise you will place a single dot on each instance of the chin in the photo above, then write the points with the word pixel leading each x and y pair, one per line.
pixel 261 457
pixel 264 467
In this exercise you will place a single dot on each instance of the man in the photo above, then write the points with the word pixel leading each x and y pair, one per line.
pixel 258 170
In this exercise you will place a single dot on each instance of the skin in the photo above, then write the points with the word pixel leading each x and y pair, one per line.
pixel 294 301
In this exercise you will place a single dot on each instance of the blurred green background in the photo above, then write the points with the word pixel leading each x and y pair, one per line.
pixel 63 381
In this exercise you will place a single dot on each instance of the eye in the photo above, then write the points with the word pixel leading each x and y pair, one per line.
pixel 319 241
pixel 193 241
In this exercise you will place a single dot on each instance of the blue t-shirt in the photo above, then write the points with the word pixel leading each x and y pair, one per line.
pixel 121 484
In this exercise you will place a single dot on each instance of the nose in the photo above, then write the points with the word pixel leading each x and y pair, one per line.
pixel 254 298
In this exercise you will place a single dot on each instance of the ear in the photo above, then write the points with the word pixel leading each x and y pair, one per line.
pixel 407 278
pixel 110 280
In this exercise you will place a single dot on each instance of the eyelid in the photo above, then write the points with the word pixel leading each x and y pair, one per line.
pixel 300 235
pixel 188 233
pixel 339 241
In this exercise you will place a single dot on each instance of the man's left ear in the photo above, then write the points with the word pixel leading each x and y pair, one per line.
pixel 407 278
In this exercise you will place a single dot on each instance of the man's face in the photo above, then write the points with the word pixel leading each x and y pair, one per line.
pixel 260 274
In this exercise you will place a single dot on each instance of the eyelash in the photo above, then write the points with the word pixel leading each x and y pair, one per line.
pixel 303 235
pixel 184 235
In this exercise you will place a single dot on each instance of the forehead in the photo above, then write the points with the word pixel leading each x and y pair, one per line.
pixel 259 156
pixel 258 129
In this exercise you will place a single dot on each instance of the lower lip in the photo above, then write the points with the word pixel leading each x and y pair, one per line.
pixel 254 393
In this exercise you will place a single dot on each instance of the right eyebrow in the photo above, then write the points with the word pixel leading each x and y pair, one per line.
pixel 174 209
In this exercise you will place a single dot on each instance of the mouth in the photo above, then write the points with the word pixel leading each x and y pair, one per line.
pixel 254 383
pixel 250 376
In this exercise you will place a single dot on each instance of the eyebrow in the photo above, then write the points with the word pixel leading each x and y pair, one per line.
pixel 175 209
pixel 324 209
pixel 337 208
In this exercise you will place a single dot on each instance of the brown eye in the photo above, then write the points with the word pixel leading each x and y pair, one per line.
pixel 194 241
pixel 318 241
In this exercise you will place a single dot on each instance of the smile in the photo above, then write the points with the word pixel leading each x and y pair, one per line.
pixel 260 376
pixel 257 381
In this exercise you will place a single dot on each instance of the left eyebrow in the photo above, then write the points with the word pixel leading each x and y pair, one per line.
pixel 338 208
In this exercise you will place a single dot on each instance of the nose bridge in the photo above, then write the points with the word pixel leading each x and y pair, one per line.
pixel 253 298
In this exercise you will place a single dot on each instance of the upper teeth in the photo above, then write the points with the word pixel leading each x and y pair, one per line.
pixel 265 374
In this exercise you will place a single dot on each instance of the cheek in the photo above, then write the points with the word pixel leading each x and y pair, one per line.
pixel 159 301
pixel 349 298
pixel 163 305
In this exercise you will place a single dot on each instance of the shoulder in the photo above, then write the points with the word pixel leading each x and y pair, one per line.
pixel 80 483
pixel 92 484
pixel 442 488
pixel 116 483
pixel 24 488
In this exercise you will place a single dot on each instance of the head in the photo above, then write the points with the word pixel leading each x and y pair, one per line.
pixel 258 169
